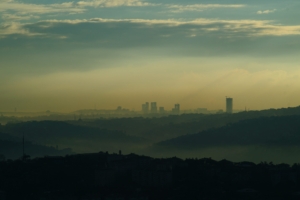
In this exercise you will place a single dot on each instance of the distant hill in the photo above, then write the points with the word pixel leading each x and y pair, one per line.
pixel 283 130
pixel 238 133
pixel 14 150
pixel 164 128
pixel 5 136
pixel 274 139
pixel 79 138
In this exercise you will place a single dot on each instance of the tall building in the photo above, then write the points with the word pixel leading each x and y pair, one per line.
pixel 229 105
pixel 161 110
pixel 119 108
pixel 153 107
pixel 145 107
pixel 176 109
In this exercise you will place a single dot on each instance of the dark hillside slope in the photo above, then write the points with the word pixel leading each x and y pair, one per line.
pixel 79 138
pixel 5 136
pixel 271 139
pixel 279 131
pixel 164 128
pixel 14 150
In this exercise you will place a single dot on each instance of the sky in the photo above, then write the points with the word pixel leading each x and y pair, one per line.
pixel 68 55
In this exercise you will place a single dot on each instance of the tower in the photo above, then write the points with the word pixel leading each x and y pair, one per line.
pixel 23 145
pixel 229 105
pixel 161 110
pixel 176 109
pixel 145 108
pixel 153 107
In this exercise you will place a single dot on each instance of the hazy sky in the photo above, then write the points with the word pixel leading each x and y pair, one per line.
pixel 67 55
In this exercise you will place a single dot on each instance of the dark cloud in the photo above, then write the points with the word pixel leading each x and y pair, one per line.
pixel 59 45
pixel 220 37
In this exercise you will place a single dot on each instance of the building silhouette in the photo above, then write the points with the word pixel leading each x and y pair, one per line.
pixel 119 108
pixel 161 110
pixel 145 107
pixel 153 107
pixel 229 105
pixel 176 109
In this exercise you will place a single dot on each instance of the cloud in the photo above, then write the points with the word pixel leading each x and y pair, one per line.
pixel 201 37
pixel 13 17
pixel 197 27
pixel 245 27
pixel 112 3
pixel 15 29
pixel 201 7
pixel 24 8
pixel 260 12
pixel 17 11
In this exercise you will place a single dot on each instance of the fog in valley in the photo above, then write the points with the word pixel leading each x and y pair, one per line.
pixel 269 135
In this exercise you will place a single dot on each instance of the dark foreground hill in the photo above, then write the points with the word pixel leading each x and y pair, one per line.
pixel 131 177
pixel 265 138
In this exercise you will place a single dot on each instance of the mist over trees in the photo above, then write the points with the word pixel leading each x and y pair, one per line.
pixel 254 135
pixel 269 131
pixel 81 139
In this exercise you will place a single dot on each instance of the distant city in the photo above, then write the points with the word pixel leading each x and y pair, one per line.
pixel 152 108
pixel 148 109
pixel 161 110
pixel 176 110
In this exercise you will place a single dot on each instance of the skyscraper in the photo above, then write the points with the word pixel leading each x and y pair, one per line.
pixel 153 107
pixel 161 110
pixel 176 109
pixel 229 105
pixel 145 108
